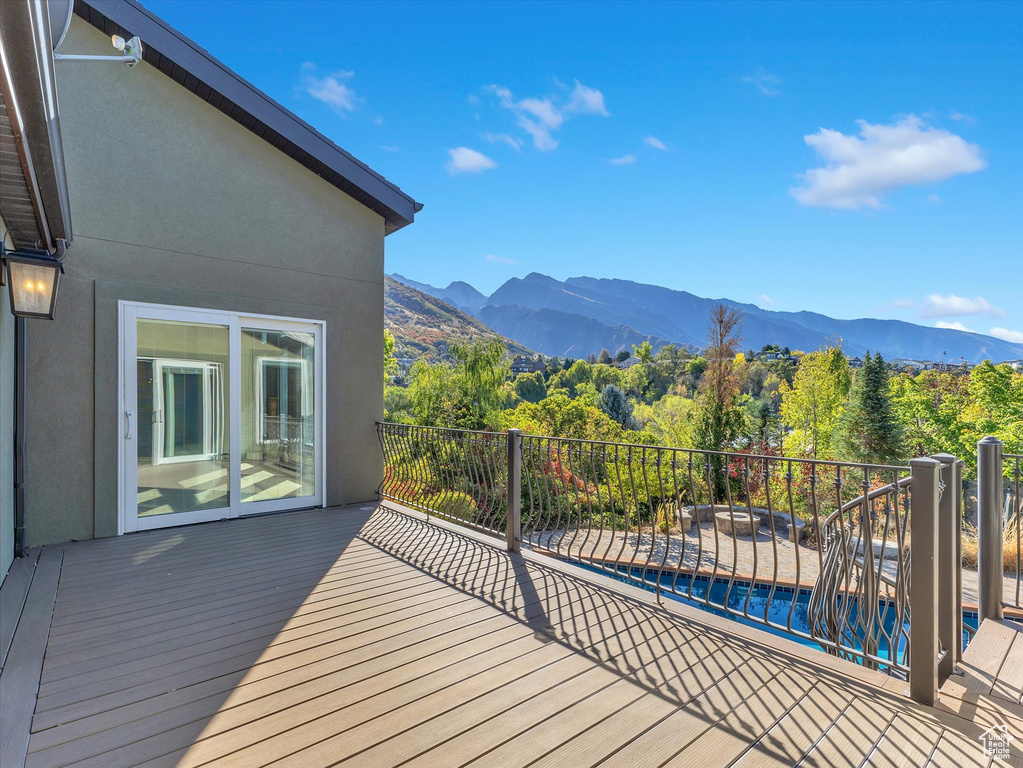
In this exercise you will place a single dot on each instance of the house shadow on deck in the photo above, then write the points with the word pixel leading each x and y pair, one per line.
pixel 328 636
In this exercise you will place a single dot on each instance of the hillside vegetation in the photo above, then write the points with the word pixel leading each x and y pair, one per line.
pixel 424 328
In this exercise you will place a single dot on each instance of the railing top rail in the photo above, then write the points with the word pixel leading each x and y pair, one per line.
pixel 731 454
pixel 1016 456
pixel 489 432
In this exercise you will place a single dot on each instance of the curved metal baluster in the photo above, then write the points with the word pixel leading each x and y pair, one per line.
pixel 587 464
pixel 794 539
pixel 717 541
pixel 699 528
pixel 774 533
pixel 668 521
pixel 734 541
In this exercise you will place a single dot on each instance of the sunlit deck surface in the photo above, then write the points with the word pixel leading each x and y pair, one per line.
pixel 369 637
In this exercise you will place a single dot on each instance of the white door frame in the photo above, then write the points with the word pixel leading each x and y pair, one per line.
pixel 212 417
pixel 128 314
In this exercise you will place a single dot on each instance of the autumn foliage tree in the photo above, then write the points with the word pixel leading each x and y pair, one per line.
pixel 721 416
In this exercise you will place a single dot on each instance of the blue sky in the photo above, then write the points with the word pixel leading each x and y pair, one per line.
pixel 853 159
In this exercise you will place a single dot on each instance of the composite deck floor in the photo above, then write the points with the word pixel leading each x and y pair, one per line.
pixel 370 637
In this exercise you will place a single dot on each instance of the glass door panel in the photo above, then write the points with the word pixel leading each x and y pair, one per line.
pixel 278 414
pixel 183 460
pixel 222 415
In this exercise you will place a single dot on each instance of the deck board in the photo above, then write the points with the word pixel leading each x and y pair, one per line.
pixel 19 680
pixel 378 638
pixel 12 599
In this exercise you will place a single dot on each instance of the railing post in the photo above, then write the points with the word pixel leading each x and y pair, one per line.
pixel 990 564
pixel 948 625
pixel 957 639
pixel 513 522
pixel 923 597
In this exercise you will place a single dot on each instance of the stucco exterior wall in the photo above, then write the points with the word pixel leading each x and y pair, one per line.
pixel 6 425
pixel 175 203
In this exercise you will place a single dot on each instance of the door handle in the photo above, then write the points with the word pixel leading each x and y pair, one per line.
pixel 130 431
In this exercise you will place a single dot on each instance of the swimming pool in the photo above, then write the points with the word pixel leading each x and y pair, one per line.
pixel 757 598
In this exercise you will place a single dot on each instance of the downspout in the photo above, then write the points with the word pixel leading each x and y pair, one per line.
pixel 20 381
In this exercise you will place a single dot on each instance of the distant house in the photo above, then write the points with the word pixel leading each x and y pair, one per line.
pixel 629 362
pixel 916 365
pixel 856 363
pixel 523 364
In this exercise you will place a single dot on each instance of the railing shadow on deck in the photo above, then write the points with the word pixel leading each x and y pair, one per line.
pixel 660 651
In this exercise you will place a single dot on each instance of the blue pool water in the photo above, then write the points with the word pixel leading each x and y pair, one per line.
pixel 756 597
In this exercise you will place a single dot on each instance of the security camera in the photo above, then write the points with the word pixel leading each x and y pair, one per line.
pixel 118 42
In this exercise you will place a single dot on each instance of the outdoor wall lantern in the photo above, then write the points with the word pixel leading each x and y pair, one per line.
pixel 33 278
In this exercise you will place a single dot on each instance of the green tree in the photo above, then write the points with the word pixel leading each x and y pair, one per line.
pixel 869 429
pixel 645 352
pixel 604 358
pixel 390 360
pixel 558 415
pixel 671 420
pixel 616 405
pixel 812 405
pixel 429 392
pixel 622 356
pixel 480 372
pixel 530 387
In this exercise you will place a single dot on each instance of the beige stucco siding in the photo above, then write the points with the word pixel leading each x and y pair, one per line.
pixel 175 203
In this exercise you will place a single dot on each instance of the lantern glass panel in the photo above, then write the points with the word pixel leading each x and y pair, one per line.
pixel 32 287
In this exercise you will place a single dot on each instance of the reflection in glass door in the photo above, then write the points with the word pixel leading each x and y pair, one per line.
pixel 278 414
pixel 182 458
pixel 223 415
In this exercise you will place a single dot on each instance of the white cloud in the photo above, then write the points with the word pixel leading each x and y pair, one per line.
pixel 765 299
pixel 882 158
pixel 378 121
pixel 956 326
pixel 653 141
pixel 623 160
pixel 330 89
pixel 586 101
pixel 465 160
pixel 540 118
pixel 389 148
pixel 503 138
pixel 932 198
pixel 765 82
pixel 499 259
pixel 937 305
pixel 960 117
pixel 1016 337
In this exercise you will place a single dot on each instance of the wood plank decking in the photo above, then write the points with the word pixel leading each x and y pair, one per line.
pixel 374 638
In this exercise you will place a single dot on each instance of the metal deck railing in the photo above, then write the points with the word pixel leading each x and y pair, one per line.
pixel 820 550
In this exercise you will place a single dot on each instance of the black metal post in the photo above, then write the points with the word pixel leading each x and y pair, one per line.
pixel 20 381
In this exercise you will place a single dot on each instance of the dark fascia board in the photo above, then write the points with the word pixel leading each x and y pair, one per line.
pixel 194 68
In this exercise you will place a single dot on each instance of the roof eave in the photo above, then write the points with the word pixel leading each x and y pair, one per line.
pixel 30 100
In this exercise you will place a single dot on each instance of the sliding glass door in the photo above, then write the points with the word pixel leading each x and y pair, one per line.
pixel 222 415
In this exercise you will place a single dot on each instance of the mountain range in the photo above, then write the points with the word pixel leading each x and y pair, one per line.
pixel 582 315
pixel 425 327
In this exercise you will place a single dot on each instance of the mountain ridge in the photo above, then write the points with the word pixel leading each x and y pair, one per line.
pixel 425 327
pixel 625 309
